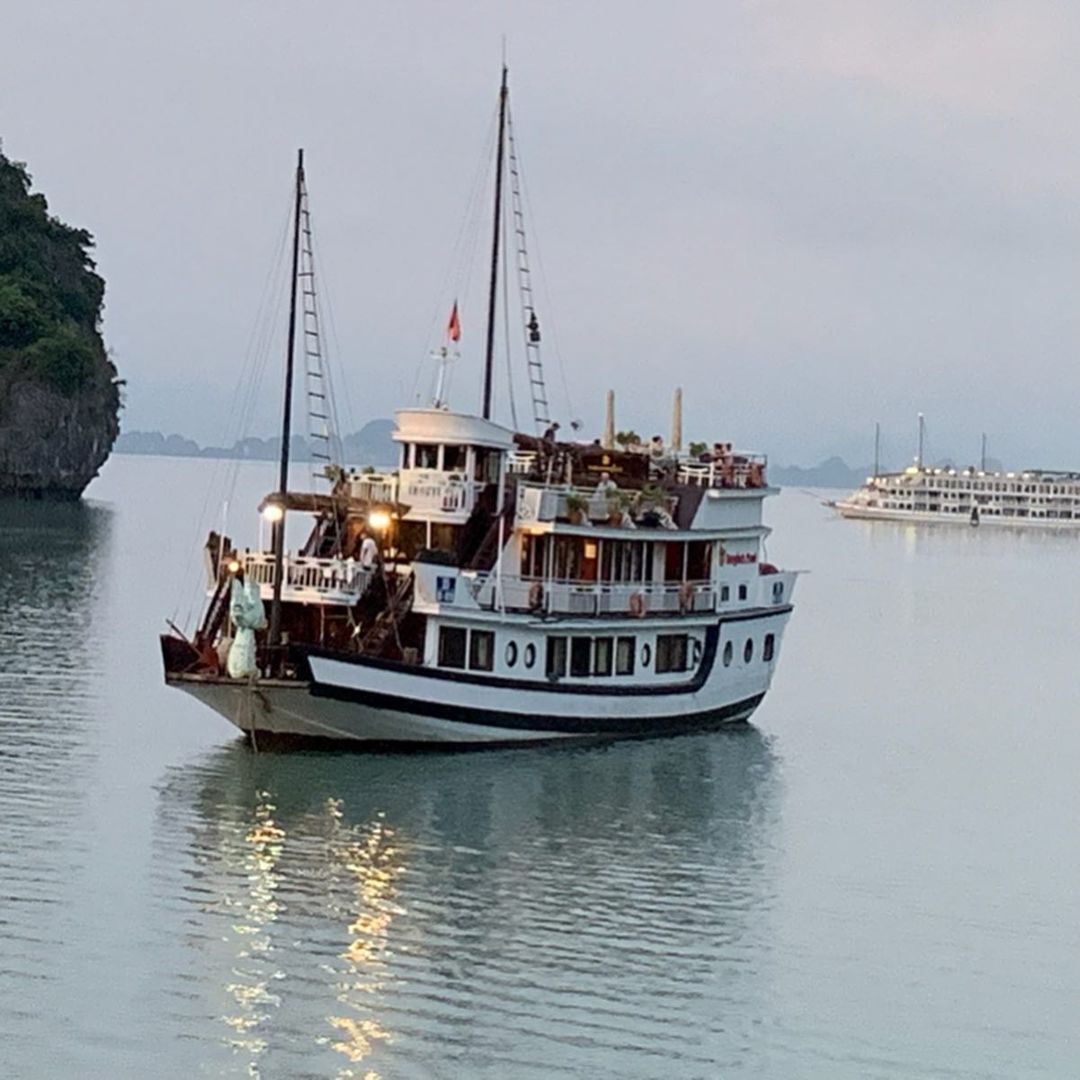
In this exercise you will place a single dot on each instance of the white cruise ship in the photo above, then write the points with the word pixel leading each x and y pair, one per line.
pixel 496 587
pixel 1034 499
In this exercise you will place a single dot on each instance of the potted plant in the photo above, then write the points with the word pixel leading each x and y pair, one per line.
pixel 577 508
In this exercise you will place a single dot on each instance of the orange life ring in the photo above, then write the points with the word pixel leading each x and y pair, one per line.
pixel 637 604
pixel 536 596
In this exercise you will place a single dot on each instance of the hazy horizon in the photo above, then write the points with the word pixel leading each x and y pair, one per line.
pixel 811 218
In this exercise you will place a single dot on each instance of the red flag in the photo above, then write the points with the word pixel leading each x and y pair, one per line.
pixel 453 327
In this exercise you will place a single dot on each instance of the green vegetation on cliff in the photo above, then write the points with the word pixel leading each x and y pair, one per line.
pixel 50 296
pixel 59 395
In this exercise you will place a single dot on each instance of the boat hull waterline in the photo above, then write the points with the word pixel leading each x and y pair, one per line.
pixel 348 700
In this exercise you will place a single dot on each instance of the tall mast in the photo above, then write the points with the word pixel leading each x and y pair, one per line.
pixel 496 229
pixel 286 419
pixel 982 459
pixel 877 449
pixel 922 431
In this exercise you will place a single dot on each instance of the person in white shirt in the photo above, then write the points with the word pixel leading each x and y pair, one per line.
pixel 369 552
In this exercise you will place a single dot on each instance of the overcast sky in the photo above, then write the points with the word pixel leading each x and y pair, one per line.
pixel 811 214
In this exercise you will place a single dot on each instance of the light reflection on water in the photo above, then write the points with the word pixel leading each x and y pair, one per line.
pixel 539 911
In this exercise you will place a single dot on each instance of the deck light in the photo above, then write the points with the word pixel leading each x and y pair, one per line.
pixel 273 512
pixel 234 566
pixel 379 519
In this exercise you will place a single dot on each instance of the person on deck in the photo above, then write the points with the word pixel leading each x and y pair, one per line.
pixel 606 486
pixel 369 551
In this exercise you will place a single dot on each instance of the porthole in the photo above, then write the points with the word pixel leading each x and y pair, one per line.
pixel 646 654
pixel 748 650
pixel 769 648
pixel 729 652
pixel 511 653
pixel 530 655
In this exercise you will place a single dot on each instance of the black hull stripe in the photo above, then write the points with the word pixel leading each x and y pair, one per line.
pixel 610 688
pixel 498 718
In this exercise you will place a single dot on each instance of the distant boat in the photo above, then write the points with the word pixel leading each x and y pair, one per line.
pixel 1033 499
pixel 498 587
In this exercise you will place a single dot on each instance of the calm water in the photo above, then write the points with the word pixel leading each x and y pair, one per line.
pixel 880 878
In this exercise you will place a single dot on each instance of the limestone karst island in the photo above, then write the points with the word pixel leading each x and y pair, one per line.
pixel 59 391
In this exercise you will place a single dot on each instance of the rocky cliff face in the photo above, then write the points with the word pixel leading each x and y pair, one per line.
pixel 59 394
pixel 52 444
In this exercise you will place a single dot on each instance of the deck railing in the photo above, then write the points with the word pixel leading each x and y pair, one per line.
pixel 739 471
pixel 307 579
pixel 599 598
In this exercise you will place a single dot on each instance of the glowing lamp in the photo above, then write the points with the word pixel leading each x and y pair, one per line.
pixel 273 512
pixel 234 566
pixel 379 520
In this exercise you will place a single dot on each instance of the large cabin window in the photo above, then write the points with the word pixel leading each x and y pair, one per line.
pixel 427 456
pixel 482 650
pixel 533 555
pixel 671 652
pixel 452 647
pixel 603 654
pixel 454 458
pixel 486 470
pixel 581 656
pixel 556 657
pixel 625 648
pixel 698 558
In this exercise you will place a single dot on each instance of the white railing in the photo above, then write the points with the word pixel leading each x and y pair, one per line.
pixel 600 598
pixel 521 461
pixel 307 579
pixel 449 493
pixel 741 471
pixel 421 490
pixel 541 502
pixel 374 487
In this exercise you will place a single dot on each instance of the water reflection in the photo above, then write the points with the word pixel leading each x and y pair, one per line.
pixel 51 560
pixel 535 911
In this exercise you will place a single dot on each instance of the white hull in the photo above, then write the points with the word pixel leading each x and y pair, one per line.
pixel 928 517
pixel 348 700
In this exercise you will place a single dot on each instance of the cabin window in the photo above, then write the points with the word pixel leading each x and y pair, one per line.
pixel 698 557
pixel 427 456
pixel 769 647
pixel 671 650
pixel 624 656
pixel 487 466
pixel 742 592
pixel 729 652
pixel 748 650
pixel 451 647
pixel 511 653
pixel 406 450
pixel 533 553
pixel 454 458
pixel 602 655
pixel 556 657
pixel 725 593
pixel 581 656
pixel 482 650
pixel 777 591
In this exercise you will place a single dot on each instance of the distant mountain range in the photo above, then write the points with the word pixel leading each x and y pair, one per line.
pixel 372 445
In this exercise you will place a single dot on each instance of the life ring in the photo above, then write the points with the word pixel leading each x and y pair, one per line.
pixel 637 605
pixel 536 596
pixel 686 597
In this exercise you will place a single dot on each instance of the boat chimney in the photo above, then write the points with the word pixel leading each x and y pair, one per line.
pixel 608 441
pixel 676 420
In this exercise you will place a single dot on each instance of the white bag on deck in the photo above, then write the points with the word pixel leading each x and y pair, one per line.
pixel 247 614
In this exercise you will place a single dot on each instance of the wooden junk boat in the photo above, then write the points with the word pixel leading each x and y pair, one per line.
pixel 496 587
